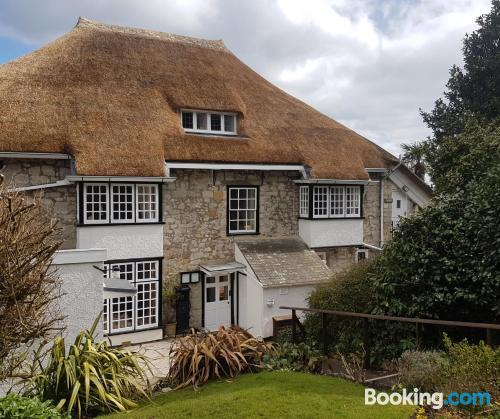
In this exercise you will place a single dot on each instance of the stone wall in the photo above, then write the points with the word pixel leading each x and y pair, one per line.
pixel 371 212
pixel 60 201
pixel 195 208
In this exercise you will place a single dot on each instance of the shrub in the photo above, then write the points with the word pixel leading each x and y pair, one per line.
pixel 14 406
pixel 199 356
pixel 294 357
pixel 421 369
pixel 471 368
pixel 353 291
pixel 91 377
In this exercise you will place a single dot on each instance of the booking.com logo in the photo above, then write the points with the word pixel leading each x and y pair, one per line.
pixel 435 400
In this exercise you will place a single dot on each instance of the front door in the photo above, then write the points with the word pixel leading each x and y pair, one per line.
pixel 217 301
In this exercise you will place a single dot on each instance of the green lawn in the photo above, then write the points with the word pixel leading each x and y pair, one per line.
pixel 268 395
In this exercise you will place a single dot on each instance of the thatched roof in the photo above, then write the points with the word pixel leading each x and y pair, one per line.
pixel 111 96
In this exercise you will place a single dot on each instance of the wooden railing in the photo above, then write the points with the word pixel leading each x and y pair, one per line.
pixel 488 327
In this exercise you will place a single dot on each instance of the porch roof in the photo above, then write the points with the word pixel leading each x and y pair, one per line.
pixel 219 268
pixel 283 262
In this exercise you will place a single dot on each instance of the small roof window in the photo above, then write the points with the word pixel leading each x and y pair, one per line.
pixel 221 123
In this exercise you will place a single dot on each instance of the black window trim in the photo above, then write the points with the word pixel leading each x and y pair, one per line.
pixel 329 217
pixel 257 215
pixel 160 293
pixel 81 206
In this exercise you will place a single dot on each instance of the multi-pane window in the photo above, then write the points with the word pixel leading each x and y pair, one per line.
pixel 147 203
pixel 320 201
pixel 118 203
pixel 337 201
pixel 140 311
pixel 304 201
pixel 352 199
pixel 122 203
pixel 95 203
pixel 242 213
pixel 209 122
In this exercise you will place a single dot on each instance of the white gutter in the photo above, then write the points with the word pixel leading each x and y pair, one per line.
pixel 23 155
pixel 369 246
pixel 236 166
pixel 332 181
pixel 149 179
pixel 382 185
pixel 63 182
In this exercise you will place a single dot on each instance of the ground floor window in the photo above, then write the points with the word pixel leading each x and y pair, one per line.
pixel 138 312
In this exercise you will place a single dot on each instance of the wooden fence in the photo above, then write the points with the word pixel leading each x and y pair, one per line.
pixel 488 327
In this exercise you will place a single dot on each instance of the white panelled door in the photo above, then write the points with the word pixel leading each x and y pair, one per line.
pixel 217 302
pixel 399 206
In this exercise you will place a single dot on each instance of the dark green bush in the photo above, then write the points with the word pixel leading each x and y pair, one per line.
pixel 353 291
pixel 14 406
pixel 294 357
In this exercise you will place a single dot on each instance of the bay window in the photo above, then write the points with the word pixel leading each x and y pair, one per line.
pixel 119 203
pixel 335 201
pixel 141 311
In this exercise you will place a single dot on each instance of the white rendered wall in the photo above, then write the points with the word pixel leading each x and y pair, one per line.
pixel 295 296
pixel 82 291
pixel 331 232
pixel 251 299
pixel 123 242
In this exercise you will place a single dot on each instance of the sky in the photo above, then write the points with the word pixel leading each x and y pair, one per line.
pixel 369 64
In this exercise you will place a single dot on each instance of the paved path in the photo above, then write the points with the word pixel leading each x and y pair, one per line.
pixel 157 354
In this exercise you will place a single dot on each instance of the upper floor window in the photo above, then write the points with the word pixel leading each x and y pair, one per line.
pixel 243 210
pixel 209 122
pixel 336 201
pixel 119 203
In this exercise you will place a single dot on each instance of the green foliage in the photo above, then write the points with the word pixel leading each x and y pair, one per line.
pixel 475 89
pixel 90 377
pixel 444 262
pixel 14 406
pixel 421 369
pixel 471 368
pixel 294 357
pixel 353 291
pixel 198 357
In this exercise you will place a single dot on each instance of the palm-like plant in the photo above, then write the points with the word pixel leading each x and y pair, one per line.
pixel 91 376
pixel 414 155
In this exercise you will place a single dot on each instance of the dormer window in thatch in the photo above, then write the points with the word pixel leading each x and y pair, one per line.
pixel 218 123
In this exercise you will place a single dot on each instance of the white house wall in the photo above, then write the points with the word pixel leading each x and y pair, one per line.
pixel 331 232
pixel 81 302
pixel 295 296
pixel 123 241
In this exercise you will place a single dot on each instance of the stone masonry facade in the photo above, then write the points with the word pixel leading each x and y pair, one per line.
pixel 60 201
pixel 195 207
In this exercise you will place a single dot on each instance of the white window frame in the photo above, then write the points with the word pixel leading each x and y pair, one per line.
pixel 112 202
pixel 366 252
pixel 358 196
pixel 110 219
pixel 134 280
pixel 304 201
pixel 333 193
pixel 86 213
pixel 137 202
pixel 223 115
pixel 235 210
pixel 326 209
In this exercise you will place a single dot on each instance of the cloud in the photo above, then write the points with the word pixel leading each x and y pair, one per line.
pixel 369 64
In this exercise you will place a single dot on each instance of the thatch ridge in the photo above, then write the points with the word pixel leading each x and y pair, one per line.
pixel 111 97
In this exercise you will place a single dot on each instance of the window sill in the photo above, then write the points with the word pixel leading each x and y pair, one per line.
pixel 119 224
pixel 115 333
pixel 221 135
pixel 331 218
pixel 254 233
